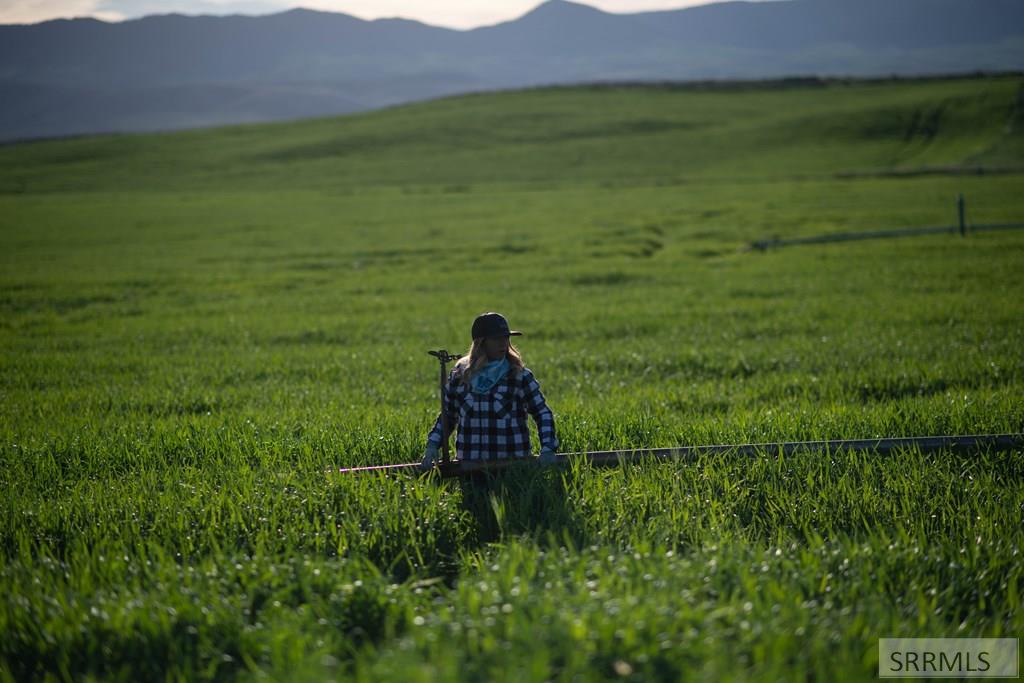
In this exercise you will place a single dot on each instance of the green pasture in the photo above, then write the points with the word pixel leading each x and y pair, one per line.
pixel 196 327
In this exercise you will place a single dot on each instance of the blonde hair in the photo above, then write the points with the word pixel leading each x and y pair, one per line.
pixel 476 358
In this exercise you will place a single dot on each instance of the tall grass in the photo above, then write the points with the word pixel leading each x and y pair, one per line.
pixel 198 329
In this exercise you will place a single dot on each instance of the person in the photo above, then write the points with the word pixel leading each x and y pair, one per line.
pixel 487 398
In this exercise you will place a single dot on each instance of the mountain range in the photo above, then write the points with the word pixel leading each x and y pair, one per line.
pixel 67 77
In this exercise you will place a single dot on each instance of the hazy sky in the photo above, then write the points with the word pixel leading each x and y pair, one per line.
pixel 452 13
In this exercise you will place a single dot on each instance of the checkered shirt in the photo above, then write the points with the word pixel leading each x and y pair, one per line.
pixel 494 425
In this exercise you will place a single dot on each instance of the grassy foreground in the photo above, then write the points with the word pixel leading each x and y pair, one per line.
pixel 196 327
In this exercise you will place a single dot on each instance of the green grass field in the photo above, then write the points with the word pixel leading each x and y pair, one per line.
pixel 197 326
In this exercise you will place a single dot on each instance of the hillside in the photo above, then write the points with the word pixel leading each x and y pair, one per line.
pixel 165 72
pixel 567 136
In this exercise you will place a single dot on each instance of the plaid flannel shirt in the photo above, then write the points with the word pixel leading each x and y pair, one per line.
pixel 494 425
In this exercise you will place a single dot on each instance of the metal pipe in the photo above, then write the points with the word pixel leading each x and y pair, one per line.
pixel 881 446
pixel 961 215
pixel 764 245
pixel 444 357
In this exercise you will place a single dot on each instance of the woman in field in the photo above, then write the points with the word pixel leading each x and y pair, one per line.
pixel 487 399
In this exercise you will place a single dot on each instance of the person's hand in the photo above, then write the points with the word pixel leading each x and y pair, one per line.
pixel 430 456
pixel 547 456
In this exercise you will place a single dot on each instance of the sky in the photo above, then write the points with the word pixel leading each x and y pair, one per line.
pixel 460 14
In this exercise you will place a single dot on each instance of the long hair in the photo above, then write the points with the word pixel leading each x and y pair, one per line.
pixel 476 358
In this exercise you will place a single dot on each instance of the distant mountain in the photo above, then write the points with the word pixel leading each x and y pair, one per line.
pixel 171 71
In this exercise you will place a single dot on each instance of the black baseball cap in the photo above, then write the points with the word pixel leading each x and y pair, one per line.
pixel 492 325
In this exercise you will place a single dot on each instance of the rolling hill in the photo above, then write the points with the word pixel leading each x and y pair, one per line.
pixel 568 135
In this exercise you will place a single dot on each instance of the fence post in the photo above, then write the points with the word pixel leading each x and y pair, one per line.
pixel 960 211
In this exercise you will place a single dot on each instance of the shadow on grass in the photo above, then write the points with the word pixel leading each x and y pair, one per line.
pixel 521 500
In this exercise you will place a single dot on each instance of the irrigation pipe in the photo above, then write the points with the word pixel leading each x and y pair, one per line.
pixel 923 444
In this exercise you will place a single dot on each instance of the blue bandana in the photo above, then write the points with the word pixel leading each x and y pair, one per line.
pixel 490 375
